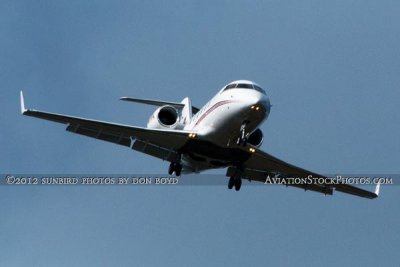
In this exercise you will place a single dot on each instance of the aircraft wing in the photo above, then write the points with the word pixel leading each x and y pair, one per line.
pixel 155 142
pixel 262 164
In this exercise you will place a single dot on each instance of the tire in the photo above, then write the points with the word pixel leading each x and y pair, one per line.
pixel 171 168
pixel 238 184
pixel 178 169
pixel 231 183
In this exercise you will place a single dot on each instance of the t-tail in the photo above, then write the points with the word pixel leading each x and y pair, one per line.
pixel 185 106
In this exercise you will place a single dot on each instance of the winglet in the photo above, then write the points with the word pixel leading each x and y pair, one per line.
pixel 377 188
pixel 23 109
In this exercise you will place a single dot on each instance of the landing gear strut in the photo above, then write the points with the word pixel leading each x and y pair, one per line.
pixel 175 167
pixel 242 140
pixel 235 181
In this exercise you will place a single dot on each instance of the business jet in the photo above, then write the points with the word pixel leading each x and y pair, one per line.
pixel 224 133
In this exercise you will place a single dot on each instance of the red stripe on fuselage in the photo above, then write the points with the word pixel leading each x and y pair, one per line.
pixel 215 106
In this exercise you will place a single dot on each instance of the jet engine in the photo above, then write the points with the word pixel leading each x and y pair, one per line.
pixel 256 138
pixel 165 117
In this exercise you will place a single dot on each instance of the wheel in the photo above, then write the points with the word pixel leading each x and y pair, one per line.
pixel 171 168
pixel 231 183
pixel 178 169
pixel 238 184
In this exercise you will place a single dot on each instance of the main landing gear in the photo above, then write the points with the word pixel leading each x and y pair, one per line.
pixel 236 182
pixel 242 139
pixel 175 167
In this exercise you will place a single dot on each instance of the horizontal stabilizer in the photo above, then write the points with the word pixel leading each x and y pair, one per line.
pixel 157 103
pixel 152 102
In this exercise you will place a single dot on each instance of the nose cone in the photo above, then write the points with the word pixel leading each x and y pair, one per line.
pixel 260 102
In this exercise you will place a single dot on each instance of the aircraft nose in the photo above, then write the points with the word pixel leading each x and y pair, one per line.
pixel 260 102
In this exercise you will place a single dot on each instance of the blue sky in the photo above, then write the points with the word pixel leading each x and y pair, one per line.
pixel 331 69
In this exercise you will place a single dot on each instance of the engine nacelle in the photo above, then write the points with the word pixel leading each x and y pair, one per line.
pixel 165 117
pixel 256 138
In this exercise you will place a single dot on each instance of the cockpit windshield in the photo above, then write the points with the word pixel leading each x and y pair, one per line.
pixel 244 86
pixel 230 86
pixel 258 88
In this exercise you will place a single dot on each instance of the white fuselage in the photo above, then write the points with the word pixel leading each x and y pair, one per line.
pixel 221 119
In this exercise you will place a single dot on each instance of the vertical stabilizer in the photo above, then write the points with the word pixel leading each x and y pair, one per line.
pixel 186 111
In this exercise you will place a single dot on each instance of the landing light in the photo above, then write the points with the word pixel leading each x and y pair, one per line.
pixel 252 107
pixel 252 150
pixel 192 135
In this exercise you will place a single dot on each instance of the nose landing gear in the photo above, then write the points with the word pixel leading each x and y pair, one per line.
pixel 242 139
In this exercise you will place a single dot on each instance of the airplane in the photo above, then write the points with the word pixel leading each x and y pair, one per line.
pixel 224 133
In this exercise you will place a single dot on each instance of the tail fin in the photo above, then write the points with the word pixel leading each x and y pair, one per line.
pixel 186 115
